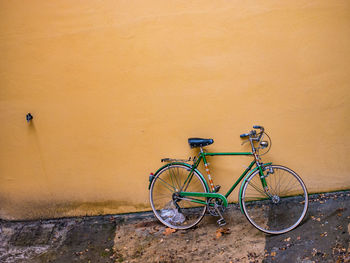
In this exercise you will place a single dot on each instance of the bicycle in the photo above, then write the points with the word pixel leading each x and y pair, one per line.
pixel 273 198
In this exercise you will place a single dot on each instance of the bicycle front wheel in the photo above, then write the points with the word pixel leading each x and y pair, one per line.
pixel 171 209
pixel 279 207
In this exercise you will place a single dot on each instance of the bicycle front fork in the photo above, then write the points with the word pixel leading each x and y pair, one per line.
pixel 263 180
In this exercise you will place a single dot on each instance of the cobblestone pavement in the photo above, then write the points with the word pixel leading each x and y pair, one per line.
pixel 322 237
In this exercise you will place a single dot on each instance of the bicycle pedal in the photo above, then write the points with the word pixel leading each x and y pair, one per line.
pixel 221 222
pixel 217 188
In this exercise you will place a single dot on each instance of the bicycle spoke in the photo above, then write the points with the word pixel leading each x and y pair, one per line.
pixel 189 179
pixel 275 184
pixel 165 183
pixel 279 214
pixel 178 178
pixel 269 185
pixel 171 173
pixel 257 189
pixel 290 188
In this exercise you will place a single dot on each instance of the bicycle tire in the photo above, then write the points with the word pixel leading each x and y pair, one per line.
pixel 170 209
pixel 286 206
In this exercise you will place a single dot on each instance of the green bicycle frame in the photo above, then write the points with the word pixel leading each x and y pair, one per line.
pixel 211 193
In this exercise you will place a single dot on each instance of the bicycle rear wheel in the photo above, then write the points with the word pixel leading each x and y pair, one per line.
pixel 171 209
pixel 282 207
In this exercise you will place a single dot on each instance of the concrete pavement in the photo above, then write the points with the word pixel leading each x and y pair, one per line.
pixel 322 237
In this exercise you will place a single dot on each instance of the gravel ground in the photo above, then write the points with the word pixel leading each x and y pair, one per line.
pixel 322 237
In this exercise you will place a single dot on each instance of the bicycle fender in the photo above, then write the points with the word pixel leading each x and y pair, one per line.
pixel 245 179
pixel 178 163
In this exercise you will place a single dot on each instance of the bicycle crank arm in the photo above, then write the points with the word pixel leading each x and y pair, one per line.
pixel 208 195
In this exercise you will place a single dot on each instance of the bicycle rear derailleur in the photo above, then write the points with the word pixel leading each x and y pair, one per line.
pixel 215 208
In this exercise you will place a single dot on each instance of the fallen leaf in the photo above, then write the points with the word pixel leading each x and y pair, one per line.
pixel 324 234
pixel 273 254
pixel 287 239
pixel 218 235
pixel 221 231
pixel 169 231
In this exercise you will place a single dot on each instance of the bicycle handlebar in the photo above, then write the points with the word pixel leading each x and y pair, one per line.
pixel 244 135
pixel 253 132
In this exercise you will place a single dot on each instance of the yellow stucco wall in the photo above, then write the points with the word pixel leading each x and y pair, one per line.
pixel 114 86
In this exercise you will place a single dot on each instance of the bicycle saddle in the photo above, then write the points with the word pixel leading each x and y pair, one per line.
pixel 198 142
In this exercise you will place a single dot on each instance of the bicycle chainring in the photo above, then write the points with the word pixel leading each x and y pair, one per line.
pixel 214 203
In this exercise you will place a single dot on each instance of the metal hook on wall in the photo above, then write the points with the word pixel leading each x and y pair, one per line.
pixel 29 117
